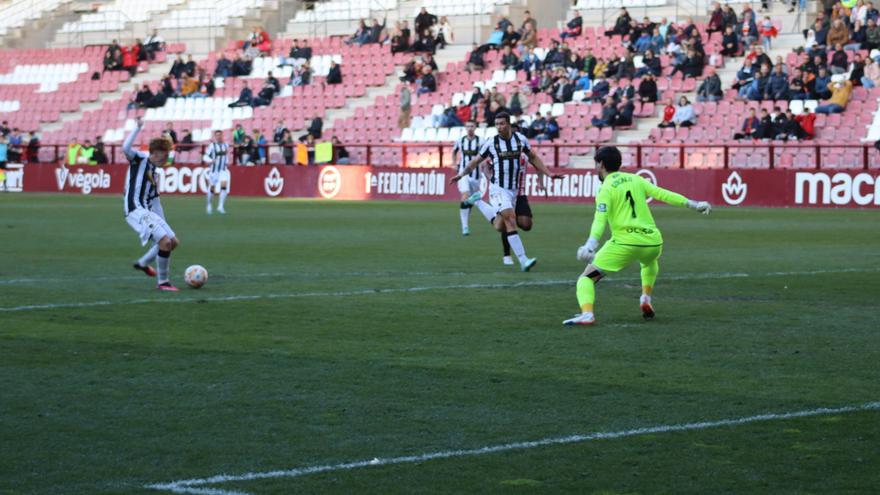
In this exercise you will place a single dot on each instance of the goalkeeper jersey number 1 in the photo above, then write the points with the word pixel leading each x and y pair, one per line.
pixel 622 202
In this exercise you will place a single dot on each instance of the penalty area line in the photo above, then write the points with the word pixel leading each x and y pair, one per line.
pixel 197 486
pixel 397 290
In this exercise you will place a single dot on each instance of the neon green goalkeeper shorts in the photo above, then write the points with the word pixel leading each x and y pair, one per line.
pixel 615 257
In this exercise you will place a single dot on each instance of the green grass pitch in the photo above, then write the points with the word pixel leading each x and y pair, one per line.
pixel 353 331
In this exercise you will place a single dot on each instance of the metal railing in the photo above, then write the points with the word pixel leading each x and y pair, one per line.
pixel 641 155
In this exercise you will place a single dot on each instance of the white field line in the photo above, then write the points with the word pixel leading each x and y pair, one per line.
pixel 194 486
pixel 238 276
pixel 397 290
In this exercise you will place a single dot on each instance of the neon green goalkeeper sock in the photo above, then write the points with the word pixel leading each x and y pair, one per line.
pixel 649 276
pixel 586 294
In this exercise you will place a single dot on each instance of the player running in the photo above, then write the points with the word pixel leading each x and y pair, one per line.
pixel 504 152
pixel 523 213
pixel 142 208
pixel 622 201
pixel 469 187
pixel 217 155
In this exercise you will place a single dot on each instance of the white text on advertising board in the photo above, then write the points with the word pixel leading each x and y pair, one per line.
pixel 411 183
pixel 840 189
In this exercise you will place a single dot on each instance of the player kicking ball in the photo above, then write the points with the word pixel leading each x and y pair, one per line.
pixel 504 152
pixel 142 208
pixel 622 202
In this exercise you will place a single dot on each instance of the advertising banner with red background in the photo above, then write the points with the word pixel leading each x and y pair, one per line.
pixel 814 188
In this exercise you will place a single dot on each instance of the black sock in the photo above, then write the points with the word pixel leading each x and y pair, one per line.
pixel 464 206
pixel 505 244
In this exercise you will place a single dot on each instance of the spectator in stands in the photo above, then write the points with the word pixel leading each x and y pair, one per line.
pixel 4 157
pixel 429 61
pixel 840 94
pixel 529 38
pixel 621 24
pixel 624 89
pixel 643 43
pixel 872 35
pixel 518 104
pixel 377 32
pixel 113 57
pixel 857 37
pixel 584 82
pixel 509 60
pixel 316 127
pixel 224 67
pixel 287 146
pixel 140 98
pixel 206 84
pixel 301 52
pixel 765 126
pixel 249 154
pixel 424 20
pixel 361 35
pixel 647 92
pixel 189 88
pixel 807 121
pixel 178 68
pixel 716 20
pixel 600 68
pixel 334 75
pixel 767 32
pixel 262 147
pixel 238 142
pixel 4 128
pixel 536 127
pixel 186 141
pixel 572 63
pixel 443 34
pixel 405 106
pixel 463 112
pixel 871 77
pixel 424 42
pixel 189 67
pixel 86 154
pixel 839 62
pixel 625 110
pixel 796 88
pixel 554 56
pixel 266 94
pixel 791 128
pixel 757 89
pixel 609 114
pixel 729 43
pixel 550 130
pixel 153 44
pixel 340 154
pixel 510 37
pixel 170 133
pixel 427 83
pixel 710 88
pixel 563 90
pixel 626 69
pixel 821 89
pixel 259 43
pixel 279 131
pixel 691 66
pixel 838 34
pixel 684 114
pixel 130 58
pixel 574 27
pixel 449 118
pixel 33 148
pixel 99 156
pixel 241 66
pixel 15 146
pixel 399 42
pixel 301 75
pixel 650 65
pixel 777 85
pixel 245 97
pixel 750 127
pixel 601 89
pixel 747 30
pixel 530 63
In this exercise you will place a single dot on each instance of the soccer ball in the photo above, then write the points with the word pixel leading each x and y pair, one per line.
pixel 195 276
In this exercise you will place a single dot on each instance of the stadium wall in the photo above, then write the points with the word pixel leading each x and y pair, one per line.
pixel 769 188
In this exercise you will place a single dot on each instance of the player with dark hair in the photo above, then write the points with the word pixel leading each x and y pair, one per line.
pixel 622 202
pixel 468 146
pixel 504 152
pixel 142 208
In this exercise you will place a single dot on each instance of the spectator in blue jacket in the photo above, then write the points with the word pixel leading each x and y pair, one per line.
pixel 777 85
pixel 820 85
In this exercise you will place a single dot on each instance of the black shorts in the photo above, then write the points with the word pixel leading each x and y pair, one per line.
pixel 3 165
pixel 522 206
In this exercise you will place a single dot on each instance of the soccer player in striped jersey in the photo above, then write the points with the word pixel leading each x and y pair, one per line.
pixel 217 155
pixel 523 211
pixel 142 208
pixel 469 147
pixel 622 202
pixel 504 153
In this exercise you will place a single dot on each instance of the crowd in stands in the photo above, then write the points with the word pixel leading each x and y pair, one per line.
pixel 18 146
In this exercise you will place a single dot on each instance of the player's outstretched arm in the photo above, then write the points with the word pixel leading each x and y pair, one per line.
pixel 467 170
pixel 675 199
pixel 129 141
pixel 535 160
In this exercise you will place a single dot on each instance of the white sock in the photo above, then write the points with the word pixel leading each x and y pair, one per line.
pixel 223 193
pixel 210 194
pixel 464 213
pixel 517 246
pixel 149 256
pixel 162 264
pixel 485 209
pixel 645 299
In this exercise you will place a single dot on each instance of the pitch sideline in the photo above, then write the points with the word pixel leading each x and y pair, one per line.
pixel 193 486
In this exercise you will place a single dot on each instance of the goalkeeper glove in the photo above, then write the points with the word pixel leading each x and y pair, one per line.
pixel 587 252
pixel 701 206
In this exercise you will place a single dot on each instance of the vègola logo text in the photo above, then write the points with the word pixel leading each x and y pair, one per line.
pixel 82 181
pixel 273 183
pixel 734 190
pixel 329 182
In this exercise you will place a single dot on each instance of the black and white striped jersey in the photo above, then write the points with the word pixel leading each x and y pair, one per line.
pixel 469 149
pixel 140 182
pixel 218 155
pixel 505 157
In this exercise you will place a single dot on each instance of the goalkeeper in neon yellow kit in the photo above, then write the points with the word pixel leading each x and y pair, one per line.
pixel 622 202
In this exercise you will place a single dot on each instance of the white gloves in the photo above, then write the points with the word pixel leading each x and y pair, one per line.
pixel 701 206
pixel 587 252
